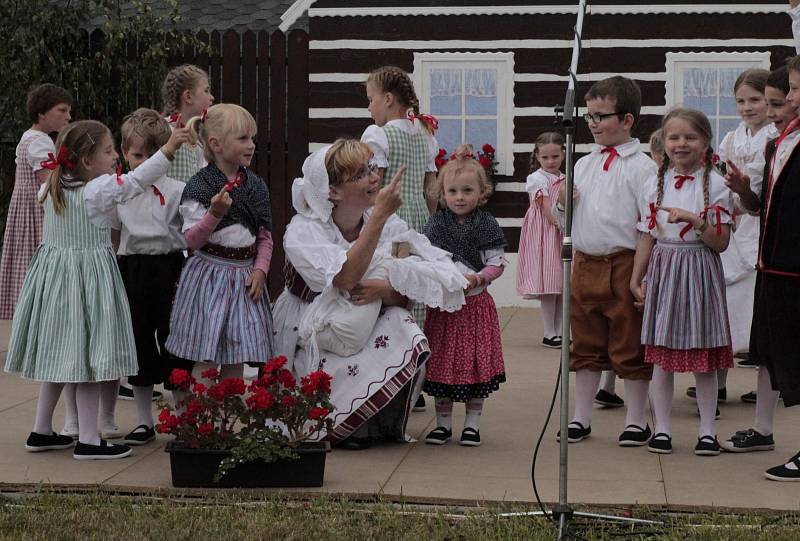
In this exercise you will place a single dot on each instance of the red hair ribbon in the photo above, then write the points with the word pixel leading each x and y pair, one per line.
pixel 680 179
pixel 119 174
pixel 204 115
pixel 238 180
pixel 612 153
pixel 173 119
pixel 430 120
pixel 160 195
pixel 651 219
pixel 61 159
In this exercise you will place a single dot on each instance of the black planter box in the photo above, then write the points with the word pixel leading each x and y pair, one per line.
pixel 197 468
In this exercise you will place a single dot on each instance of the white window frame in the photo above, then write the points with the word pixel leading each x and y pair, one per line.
pixel 504 63
pixel 677 62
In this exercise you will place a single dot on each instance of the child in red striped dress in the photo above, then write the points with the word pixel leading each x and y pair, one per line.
pixel 539 274
pixel 686 220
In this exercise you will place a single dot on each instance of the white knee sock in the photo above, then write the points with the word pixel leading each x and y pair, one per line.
pixel 108 403
pixel 549 303
pixel 143 398
pixel 706 383
pixel 474 407
pixel 609 382
pixel 586 382
pixel 722 378
pixel 444 413
pixel 45 406
pixel 557 315
pixel 636 397
pixel 662 387
pixel 87 397
pixel 70 408
pixel 766 402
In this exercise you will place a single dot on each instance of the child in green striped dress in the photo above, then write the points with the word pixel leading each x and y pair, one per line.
pixel 73 323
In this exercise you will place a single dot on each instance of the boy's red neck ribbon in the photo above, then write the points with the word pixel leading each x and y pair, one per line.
pixel 612 153
pixel 61 159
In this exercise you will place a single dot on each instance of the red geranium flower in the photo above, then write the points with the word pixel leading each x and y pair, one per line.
pixel 211 373
pixel 198 388
pixel 317 413
pixel 261 399
pixel 485 161
pixel 181 378
pixel 233 386
pixel 286 379
pixel 205 429
pixel 217 392
pixel 488 149
pixel 275 363
pixel 314 382
pixel 289 401
pixel 194 407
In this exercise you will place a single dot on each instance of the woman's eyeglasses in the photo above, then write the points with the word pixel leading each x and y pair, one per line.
pixel 597 118
pixel 364 173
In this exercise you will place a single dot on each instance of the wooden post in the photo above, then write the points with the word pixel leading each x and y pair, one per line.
pixel 231 68
pixel 280 190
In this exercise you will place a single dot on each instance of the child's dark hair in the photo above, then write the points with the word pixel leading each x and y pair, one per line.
pixel 178 80
pixel 547 138
pixel 625 92
pixel 699 122
pixel 43 98
pixel 397 82
pixel 779 79
pixel 79 140
pixel 754 78
pixel 148 126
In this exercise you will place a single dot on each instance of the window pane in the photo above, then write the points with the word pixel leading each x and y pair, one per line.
pixel 700 89
pixel 446 91
pixel 727 98
pixel 480 132
pixel 480 87
pixel 726 125
pixel 449 135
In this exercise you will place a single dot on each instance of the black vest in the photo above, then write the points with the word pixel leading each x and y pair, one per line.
pixel 779 248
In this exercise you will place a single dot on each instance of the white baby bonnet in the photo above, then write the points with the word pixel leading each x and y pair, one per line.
pixel 310 192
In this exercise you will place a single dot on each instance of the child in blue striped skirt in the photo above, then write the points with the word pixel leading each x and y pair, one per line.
pixel 221 315
pixel 686 215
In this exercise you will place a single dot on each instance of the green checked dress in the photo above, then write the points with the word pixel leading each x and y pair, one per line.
pixel 72 322
pixel 411 150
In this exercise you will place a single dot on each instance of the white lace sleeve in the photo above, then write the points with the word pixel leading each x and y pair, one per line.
pixel 313 252
pixel 375 137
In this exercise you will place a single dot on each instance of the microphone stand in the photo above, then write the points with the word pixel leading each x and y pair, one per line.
pixel 566 117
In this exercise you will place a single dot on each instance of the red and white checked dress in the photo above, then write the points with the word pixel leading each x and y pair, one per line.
pixel 539 269
pixel 25 217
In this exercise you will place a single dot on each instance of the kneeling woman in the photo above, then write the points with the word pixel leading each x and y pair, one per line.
pixel 345 226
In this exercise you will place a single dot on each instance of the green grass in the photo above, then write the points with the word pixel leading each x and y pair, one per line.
pixel 223 517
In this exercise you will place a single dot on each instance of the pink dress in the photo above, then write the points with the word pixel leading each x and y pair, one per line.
pixel 539 269
pixel 25 218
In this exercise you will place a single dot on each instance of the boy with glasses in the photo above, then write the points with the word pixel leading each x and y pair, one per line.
pixel 606 323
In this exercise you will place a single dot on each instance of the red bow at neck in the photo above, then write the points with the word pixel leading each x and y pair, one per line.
pixel 119 174
pixel 54 161
pixel 160 195
pixel 430 120
pixel 612 153
pixel 238 180
pixel 680 179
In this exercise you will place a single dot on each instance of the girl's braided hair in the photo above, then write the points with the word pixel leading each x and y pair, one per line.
pixel 397 82
pixel 178 80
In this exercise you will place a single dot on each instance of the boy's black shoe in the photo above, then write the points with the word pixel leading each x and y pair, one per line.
pixel 748 440
pixel 608 400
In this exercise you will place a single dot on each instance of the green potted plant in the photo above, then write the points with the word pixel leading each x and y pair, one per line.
pixel 231 434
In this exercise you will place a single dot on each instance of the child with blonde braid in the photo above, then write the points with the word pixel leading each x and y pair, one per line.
pixel 686 215
pixel 402 137
pixel 185 94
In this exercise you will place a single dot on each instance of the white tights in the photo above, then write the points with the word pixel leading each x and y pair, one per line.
pixel 551 315
pixel 108 405
pixel 662 390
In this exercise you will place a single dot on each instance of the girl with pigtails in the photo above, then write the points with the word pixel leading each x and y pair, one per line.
pixel 678 278
pixel 402 137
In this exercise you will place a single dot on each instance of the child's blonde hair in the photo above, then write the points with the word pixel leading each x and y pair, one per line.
pixel 178 80
pixel 397 82
pixel 699 122
pixel 345 159
pixel 463 161
pixel 547 138
pixel 80 140
pixel 148 126
pixel 219 121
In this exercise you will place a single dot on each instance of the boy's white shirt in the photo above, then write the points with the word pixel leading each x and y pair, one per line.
pixel 606 211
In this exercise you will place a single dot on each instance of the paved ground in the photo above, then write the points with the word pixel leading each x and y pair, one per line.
pixel 499 470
